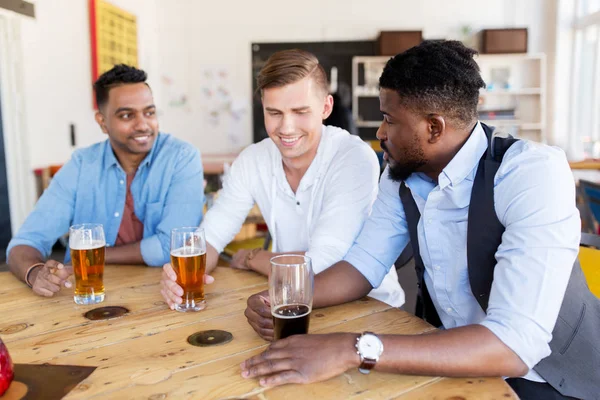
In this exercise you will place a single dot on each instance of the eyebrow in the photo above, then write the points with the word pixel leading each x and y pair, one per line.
pixel 303 108
pixel 129 109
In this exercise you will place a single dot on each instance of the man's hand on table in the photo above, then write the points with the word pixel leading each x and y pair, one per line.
pixel 170 290
pixel 48 279
pixel 303 359
pixel 259 315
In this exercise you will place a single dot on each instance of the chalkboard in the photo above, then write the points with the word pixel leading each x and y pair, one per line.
pixel 330 54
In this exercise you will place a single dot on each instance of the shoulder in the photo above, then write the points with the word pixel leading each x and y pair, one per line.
pixel 258 153
pixel 91 154
pixel 347 148
pixel 168 144
pixel 528 161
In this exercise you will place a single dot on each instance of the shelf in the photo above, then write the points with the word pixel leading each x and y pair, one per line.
pixel 365 91
pixel 368 124
pixel 512 92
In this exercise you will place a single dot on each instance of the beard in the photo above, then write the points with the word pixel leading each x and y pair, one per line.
pixel 411 161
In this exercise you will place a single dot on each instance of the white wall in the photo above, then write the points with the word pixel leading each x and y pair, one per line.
pixel 216 37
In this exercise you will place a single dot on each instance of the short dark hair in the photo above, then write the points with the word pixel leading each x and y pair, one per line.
pixel 120 74
pixel 437 77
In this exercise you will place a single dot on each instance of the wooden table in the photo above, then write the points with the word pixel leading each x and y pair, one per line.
pixel 145 354
pixel 585 164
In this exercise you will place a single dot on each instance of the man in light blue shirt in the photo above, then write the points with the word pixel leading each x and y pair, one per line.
pixel 433 144
pixel 139 184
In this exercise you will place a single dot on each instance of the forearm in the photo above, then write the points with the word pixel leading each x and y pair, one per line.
pixel 21 258
pixel 129 254
pixel 261 263
pixel 338 284
pixel 468 351
pixel 212 258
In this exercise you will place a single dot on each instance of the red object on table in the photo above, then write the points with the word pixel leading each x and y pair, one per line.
pixel 6 368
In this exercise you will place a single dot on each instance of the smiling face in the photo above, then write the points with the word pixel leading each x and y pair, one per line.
pixel 129 119
pixel 294 116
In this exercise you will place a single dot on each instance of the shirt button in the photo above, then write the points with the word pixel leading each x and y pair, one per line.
pixel 436 267
pixel 449 309
pixel 121 181
pixel 429 221
pixel 116 214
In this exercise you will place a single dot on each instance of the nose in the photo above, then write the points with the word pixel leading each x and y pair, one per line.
pixel 287 125
pixel 141 124
pixel 381 134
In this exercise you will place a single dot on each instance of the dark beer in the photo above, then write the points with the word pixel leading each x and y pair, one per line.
pixel 88 267
pixel 190 265
pixel 290 319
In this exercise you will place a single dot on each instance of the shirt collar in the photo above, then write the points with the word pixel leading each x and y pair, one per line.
pixel 464 164
pixel 110 159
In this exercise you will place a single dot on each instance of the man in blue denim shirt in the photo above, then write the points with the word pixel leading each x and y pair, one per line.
pixel 139 184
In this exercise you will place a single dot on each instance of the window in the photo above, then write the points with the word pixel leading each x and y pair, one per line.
pixel 584 79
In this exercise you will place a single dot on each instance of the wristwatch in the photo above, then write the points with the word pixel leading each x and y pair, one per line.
pixel 369 347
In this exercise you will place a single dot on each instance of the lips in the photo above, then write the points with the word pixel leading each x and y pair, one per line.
pixel 6 368
pixel 289 141
pixel 142 138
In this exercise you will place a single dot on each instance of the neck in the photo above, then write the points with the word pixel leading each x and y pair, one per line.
pixel 295 168
pixel 435 168
pixel 129 161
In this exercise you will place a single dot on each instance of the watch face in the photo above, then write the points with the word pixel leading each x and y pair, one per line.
pixel 370 346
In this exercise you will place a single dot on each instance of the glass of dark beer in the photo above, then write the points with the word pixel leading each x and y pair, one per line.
pixel 188 258
pixel 87 245
pixel 291 286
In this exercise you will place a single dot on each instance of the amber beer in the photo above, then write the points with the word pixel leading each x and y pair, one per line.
pixel 291 319
pixel 190 265
pixel 88 266
pixel 88 245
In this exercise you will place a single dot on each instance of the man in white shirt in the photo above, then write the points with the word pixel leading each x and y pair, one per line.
pixel 314 184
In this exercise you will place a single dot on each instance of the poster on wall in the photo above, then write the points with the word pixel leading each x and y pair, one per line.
pixel 113 32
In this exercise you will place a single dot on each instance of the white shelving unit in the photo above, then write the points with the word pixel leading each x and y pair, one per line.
pixel 522 93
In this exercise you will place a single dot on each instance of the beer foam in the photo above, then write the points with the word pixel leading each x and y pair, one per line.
pixel 274 312
pixel 187 252
pixel 95 244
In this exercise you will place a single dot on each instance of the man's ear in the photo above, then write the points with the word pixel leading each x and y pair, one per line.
pixel 327 107
pixel 437 128
pixel 101 121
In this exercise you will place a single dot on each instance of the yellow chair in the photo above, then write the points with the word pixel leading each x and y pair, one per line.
pixel 589 258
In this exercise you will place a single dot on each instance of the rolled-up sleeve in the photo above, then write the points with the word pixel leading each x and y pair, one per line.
pixel 183 207
pixel 225 218
pixel 535 201
pixel 383 236
pixel 53 213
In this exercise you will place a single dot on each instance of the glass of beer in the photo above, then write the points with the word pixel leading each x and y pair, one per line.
pixel 87 245
pixel 291 285
pixel 188 258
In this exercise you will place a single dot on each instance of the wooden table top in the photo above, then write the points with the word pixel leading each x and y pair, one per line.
pixel 585 164
pixel 145 354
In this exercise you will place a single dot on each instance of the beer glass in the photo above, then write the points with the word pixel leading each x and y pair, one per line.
pixel 291 285
pixel 88 245
pixel 188 258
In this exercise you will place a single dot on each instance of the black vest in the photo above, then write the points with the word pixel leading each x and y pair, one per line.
pixel 573 371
